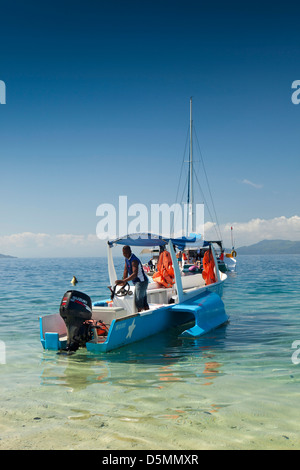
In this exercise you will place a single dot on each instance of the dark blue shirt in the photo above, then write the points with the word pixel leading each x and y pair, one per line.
pixel 141 276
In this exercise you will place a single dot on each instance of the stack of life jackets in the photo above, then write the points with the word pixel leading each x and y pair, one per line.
pixel 208 272
pixel 165 272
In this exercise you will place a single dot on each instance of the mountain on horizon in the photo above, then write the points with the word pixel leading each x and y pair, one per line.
pixel 271 247
pixel 6 256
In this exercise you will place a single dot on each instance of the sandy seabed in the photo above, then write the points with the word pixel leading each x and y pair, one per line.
pixel 156 421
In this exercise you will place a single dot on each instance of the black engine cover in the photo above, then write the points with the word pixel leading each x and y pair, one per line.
pixel 75 309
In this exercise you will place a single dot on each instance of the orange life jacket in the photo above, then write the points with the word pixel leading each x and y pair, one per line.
pixel 165 272
pixel 208 272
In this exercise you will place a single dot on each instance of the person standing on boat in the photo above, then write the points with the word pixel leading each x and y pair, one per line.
pixel 133 271
pixel 179 258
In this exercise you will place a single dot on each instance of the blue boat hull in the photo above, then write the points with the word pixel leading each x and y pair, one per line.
pixel 206 310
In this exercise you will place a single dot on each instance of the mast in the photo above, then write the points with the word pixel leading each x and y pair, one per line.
pixel 190 215
pixel 191 196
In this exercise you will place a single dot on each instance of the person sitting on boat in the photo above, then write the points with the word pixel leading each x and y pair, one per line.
pixel 151 265
pixel 133 271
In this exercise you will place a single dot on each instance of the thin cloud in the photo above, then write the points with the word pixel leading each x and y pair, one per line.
pixel 255 230
pixel 30 244
pixel 254 185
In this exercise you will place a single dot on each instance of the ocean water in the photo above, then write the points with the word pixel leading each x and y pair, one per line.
pixel 234 388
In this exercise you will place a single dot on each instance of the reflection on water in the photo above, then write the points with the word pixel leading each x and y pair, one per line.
pixel 167 358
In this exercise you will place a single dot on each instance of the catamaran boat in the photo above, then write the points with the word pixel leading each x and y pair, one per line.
pixel 115 322
pixel 192 298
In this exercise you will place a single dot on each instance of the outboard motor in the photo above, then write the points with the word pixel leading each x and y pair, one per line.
pixel 76 310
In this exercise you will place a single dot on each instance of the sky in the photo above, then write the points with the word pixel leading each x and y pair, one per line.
pixel 97 107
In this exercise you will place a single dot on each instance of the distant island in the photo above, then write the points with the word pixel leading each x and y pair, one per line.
pixel 271 247
pixel 6 256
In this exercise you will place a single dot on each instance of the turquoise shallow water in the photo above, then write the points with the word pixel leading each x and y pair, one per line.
pixel 235 388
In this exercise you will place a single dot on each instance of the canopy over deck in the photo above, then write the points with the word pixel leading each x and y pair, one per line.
pixel 149 239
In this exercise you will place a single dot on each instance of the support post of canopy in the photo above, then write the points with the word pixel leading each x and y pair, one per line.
pixel 216 263
pixel 177 273
pixel 111 267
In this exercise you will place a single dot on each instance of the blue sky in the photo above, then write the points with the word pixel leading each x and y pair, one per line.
pixel 97 106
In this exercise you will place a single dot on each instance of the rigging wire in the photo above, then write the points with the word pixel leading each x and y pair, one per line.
pixel 209 190
pixel 179 183
pixel 186 142
pixel 216 223
pixel 216 227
